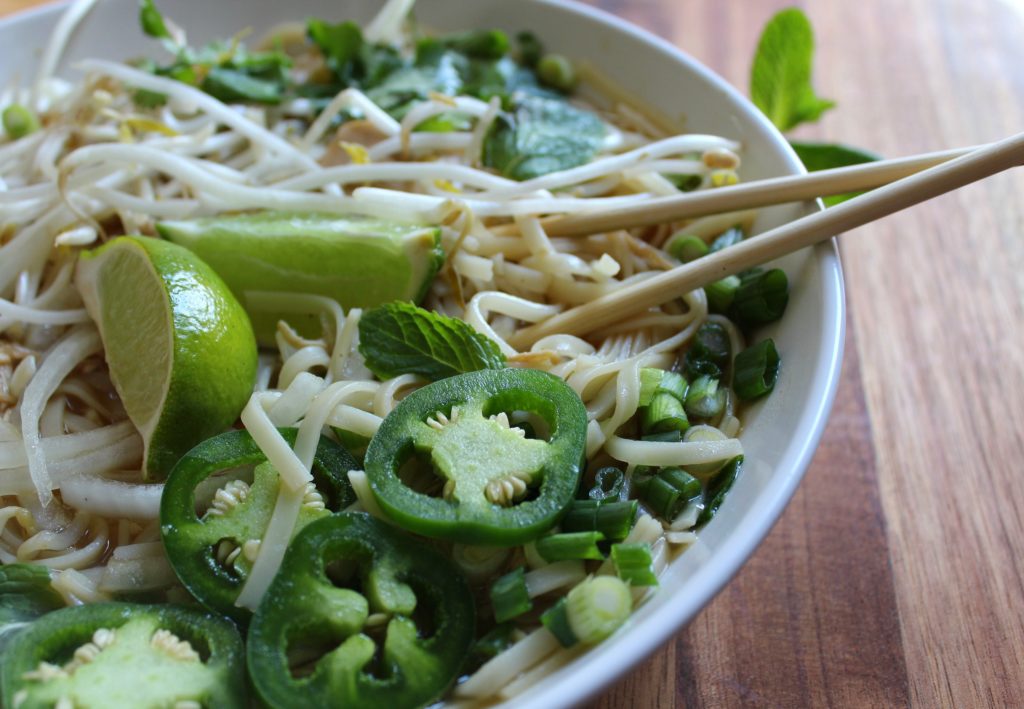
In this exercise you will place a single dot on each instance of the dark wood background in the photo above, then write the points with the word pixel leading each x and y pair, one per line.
pixel 896 576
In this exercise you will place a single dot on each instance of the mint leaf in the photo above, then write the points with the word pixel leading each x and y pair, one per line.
pixel 824 156
pixel 400 338
pixel 541 135
pixel 780 79
pixel 152 21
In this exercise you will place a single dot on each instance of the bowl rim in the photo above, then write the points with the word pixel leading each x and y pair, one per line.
pixel 599 667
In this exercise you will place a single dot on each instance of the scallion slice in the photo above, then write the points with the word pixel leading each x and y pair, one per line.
pixel 755 370
pixel 686 247
pixel 608 484
pixel 665 413
pixel 722 293
pixel 717 489
pixel 509 596
pixel 572 545
pixel 704 400
pixel 729 237
pixel 667 493
pixel 612 519
pixel 633 564
pixel 762 298
pixel 597 607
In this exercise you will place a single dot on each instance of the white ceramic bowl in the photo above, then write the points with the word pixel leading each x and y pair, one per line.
pixel 780 434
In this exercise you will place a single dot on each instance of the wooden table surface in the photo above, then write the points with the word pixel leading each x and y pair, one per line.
pixel 896 575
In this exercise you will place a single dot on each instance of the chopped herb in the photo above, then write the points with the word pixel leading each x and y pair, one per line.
pixel 400 338
pixel 780 79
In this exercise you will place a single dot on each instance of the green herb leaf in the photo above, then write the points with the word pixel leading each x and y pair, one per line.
pixel 235 85
pixel 25 594
pixel 780 79
pixel 400 338
pixel 824 156
pixel 542 135
pixel 152 21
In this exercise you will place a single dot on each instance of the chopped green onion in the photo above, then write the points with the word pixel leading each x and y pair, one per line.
pixel 730 237
pixel 755 370
pixel 573 545
pixel 673 383
pixel 718 488
pixel 761 298
pixel 685 182
pixel 686 247
pixel 556 620
pixel 557 72
pixel 664 414
pixel 608 484
pixel 664 437
pixel 704 400
pixel 612 519
pixel 695 367
pixel 722 293
pixel 668 492
pixel 712 343
pixel 650 380
pixel 509 596
pixel 597 607
pixel 633 564
pixel 19 121
pixel 530 48
pixel 654 381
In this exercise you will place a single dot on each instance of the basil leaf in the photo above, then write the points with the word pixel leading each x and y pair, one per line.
pixel 152 21
pixel 824 156
pixel 541 135
pixel 400 338
pixel 25 594
pixel 780 79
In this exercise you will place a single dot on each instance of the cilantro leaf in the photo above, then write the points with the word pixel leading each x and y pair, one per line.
pixel 541 135
pixel 25 594
pixel 780 79
pixel 152 21
pixel 400 338
pixel 824 156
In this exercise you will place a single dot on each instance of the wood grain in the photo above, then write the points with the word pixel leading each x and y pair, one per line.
pixel 896 576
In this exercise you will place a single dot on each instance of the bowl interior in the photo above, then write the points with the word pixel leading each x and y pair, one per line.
pixel 779 434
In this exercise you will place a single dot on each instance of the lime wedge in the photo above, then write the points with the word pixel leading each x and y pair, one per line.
pixel 357 261
pixel 180 348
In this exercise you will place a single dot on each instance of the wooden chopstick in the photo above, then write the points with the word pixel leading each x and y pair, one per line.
pixel 761 193
pixel 798 234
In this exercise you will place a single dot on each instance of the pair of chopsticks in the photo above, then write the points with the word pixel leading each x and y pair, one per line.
pixel 900 183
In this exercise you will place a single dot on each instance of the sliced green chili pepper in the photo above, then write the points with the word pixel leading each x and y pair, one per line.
pixel 360 615
pixel 25 594
pixel 499 486
pixel 213 554
pixel 126 655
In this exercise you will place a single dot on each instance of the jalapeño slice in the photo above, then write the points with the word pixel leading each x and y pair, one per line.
pixel 497 486
pixel 360 614
pixel 213 553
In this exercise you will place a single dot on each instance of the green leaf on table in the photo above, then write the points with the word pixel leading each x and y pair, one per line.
pixel 541 135
pixel 400 338
pixel 824 156
pixel 780 79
